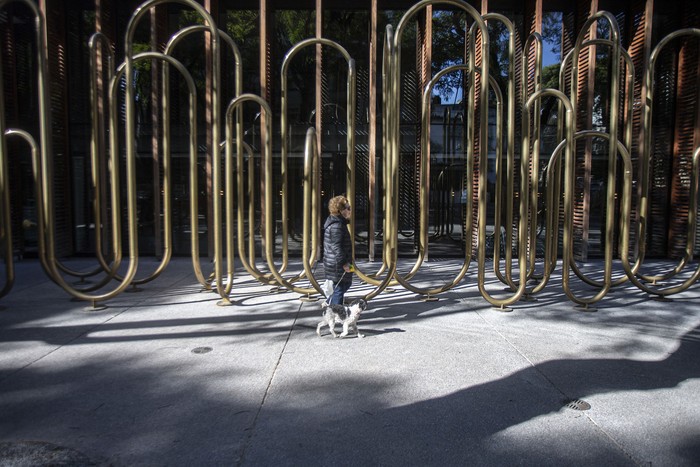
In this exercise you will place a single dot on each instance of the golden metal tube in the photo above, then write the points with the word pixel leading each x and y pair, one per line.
pixel 48 254
pixel 44 186
pixel 535 39
pixel 645 161
pixel 97 149
pixel 5 220
pixel 129 277
pixel 311 186
pixel 390 174
pixel 268 228
pixel 395 107
pixel 247 257
pixel 510 163
pixel 214 108
pixel 424 201
pixel 523 222
pixel 612 151
pixel 628 127
pixel 284 130
pixel 238 65
pixel 44 125
pixel 167 184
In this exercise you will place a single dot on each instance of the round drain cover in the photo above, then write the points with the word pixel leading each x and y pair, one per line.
pixel 202 350
pixel 578 404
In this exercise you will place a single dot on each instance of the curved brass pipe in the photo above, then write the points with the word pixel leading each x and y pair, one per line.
pixel 247 257
pixel 531 248
pixel 128 278
pixel 424 183
pixel 98 146
pixel 238 84
pixel 214 108
pixel 45 166
pixel 268 230
pixel 645 158
pixel 510 164
pixel 97 150
pixel 628 126
pixel 311 187
pixel 396 94
pixel 350 140
pixel 390 134
pixel 624 211
pixel 612 148
pixel 6 220
pixel 523 221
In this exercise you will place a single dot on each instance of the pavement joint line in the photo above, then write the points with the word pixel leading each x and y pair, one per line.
pixel 55 349
pixel 251 429
pixel 87 331
pixel 566 396
pixel 514 347
pixel 614 441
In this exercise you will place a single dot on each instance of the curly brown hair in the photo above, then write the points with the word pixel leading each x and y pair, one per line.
pixel 337 204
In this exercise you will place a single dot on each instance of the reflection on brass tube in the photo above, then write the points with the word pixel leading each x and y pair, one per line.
pixel 268 228
pixel 394 111
pixel 645 161
pixel 627 131
pixel 238 178
pixel 284 130
pixel 194 209
pixel 311 187
pixel 6 220
pixel 612 152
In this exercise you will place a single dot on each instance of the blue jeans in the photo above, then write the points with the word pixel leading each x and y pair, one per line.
pixel 339 290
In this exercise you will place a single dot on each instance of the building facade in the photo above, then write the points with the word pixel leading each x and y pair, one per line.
pixel 525 55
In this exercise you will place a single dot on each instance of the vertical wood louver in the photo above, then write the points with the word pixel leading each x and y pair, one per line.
pixel 684 136
pixel 584 91
pixel 10 72
pixel 675 130
pixel 662 134
pixel 639 36
pixel 58 96
pixel 476 144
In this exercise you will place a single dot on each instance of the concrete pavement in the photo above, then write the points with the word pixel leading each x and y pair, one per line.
pixel 166 377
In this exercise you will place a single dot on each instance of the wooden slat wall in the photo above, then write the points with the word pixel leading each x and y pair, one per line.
pixel 639 36
pixel 583 111
pixel 684 135
pixel 477 133
pixel 9 31
pixel 533 24
pixel 661 150
pixel 54 11
pixel 424 39
pixel 675 102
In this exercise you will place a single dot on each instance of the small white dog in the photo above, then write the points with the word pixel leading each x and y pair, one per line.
pixel 345 314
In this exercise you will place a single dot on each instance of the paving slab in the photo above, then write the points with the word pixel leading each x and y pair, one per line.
pixel 165 376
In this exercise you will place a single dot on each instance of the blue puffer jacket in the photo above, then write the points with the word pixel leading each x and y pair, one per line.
pixel 337 248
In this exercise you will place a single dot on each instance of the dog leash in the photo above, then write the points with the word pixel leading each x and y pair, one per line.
pixel 341 278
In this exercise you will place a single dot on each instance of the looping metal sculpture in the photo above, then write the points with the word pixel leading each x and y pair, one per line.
pixel 237 183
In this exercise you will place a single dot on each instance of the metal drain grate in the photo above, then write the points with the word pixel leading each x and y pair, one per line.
pixel 578 404
pixel 202 350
